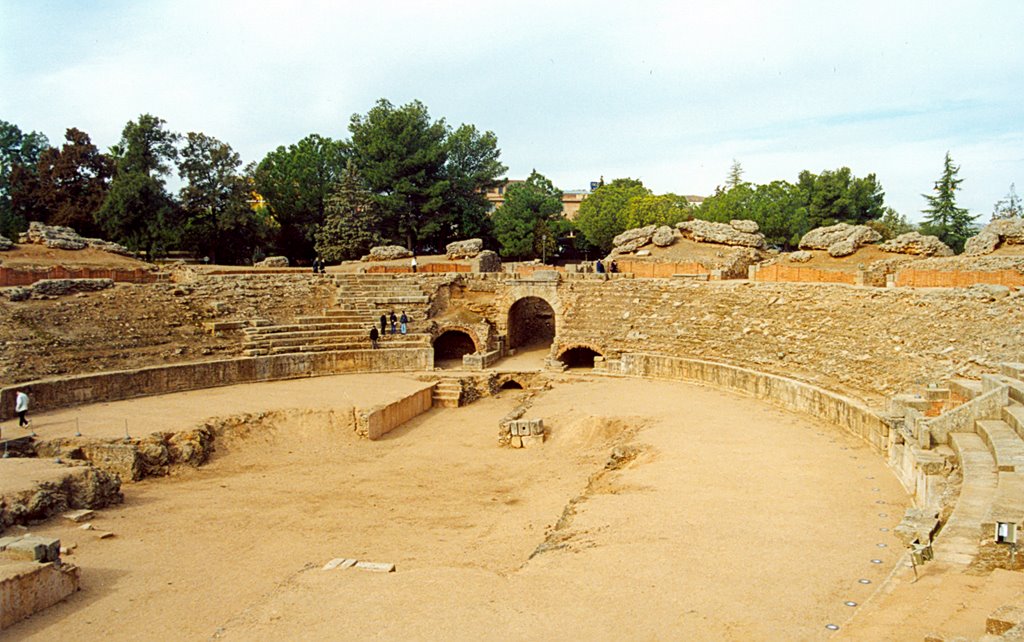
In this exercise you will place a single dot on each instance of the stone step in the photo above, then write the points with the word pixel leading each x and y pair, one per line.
pixel 1014 370
pixel 408 340
pixel 957 542
pixel 312 329
pixel 966 388
pixel 1008 505
pixel 1013 415
pixel 348 347
pixel 1006 446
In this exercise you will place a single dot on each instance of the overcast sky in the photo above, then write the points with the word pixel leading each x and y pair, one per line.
pixel 668 92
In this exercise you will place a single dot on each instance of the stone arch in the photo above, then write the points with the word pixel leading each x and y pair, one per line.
pixel 579 355
pixel 511 384
pixel 478 345
pixel 531 321
pixel 452 344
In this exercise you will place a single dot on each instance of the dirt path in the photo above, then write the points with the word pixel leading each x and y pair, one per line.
pixel 721 518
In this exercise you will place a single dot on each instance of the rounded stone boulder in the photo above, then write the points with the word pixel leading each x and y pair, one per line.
pixel 387 253
pixel 663 236
pixel 917 244
pixel 466 249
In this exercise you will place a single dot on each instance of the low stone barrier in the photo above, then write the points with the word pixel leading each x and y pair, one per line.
pixel 988 405
pixel 793 395
pixel 27 588
pixel 654 270
pixel 62 392
pixel 375 422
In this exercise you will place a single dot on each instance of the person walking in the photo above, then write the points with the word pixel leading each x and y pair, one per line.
pixel 599 267
pixel 414 263
pixel 383 325
pixel 394 322
pixel 21 406
pixel 373 337
pixel 404 320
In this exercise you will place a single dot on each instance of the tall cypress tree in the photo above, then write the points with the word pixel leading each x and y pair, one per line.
pixel 953 225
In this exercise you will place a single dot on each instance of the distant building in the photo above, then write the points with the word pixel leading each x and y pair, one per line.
pixel 571 199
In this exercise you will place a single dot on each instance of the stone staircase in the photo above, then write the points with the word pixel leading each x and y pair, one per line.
pixel 992 461
pixel 447 393
pixel 360 301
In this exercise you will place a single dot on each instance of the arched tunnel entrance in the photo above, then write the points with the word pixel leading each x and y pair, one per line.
pixel 451 345
pixel 531 323
pixel 579 357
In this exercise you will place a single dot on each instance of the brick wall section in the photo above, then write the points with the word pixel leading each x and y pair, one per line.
pixel 429 268
pixel 651 270
pixel 794 274
pixel 13 276
pixel 63 392
pixel 960 279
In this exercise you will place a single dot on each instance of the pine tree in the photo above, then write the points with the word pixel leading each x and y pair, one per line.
pixel 351 219
pixel 953 225
pixel 735 176
pixel 1008 207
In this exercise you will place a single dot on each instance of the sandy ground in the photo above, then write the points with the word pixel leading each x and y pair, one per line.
pixel 734 520
pixel 32 255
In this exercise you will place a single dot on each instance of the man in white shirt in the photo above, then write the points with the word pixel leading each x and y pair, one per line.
pixel 21 406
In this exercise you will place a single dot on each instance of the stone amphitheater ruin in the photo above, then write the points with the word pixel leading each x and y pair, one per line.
pixel 545 454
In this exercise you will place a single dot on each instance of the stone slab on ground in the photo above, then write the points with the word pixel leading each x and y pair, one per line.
pixel 377 567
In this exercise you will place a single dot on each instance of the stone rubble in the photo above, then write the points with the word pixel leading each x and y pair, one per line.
pixel 5 244
pixel 840 240
pixel 466 249
pixel 65 238
pixel 1008 231
pixel 917 244
pixel 723 233
pixel 273 262
pixel 387 253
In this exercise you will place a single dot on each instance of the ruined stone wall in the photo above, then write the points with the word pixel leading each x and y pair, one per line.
pixel 373 423
pixel 62 392
pixel 869 342
pixel 796 274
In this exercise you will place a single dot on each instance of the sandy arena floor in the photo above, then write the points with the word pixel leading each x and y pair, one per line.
pixel 734 520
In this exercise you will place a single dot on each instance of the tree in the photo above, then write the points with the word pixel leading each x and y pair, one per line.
pixel 138 211
pixel 402 155
pixel 17 150
pixel 735 175
pixel 650 209
pixel 529 222
pixel 892 224
pixel 840 197
pixel 602 215
pixel 953 225
pixel 472 167
pixel 218 222
pixel 296 181
pixel 1009 206
pixel 72 183
pixel 350 226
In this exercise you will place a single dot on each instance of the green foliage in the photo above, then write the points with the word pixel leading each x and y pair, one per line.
pixel 840 197
pixel 472 167
pixel 138 211
pixel 953 225
pixel 349 230
pixel 297 181
pixel 17 150
pixel 528 224
pixel 402 155
pixel 218 222
pixel 1009 206
pixel 651 209
pixel 892 224
pixel 602 215
pixel 785 212
pixel 735 177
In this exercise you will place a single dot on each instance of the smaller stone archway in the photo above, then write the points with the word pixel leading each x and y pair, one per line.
pixel 453 343
pixel 579 356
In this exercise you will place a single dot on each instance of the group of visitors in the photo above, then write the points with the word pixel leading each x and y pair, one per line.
pixel 599 267
pixel 398 325
pixel 319 267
